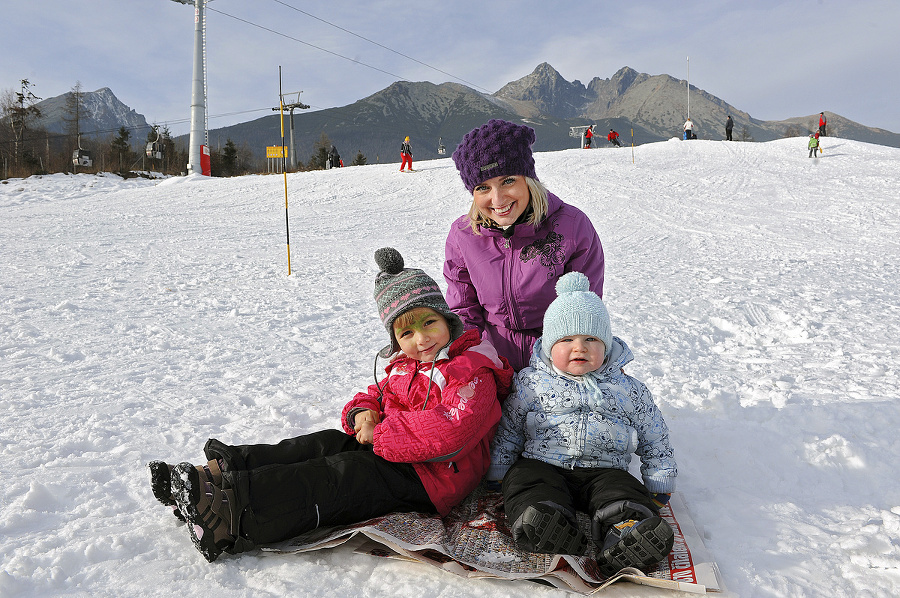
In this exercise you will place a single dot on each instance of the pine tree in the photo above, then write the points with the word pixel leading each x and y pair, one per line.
pixel 359 160
pixel 121 150
pixel 74 111
pixel 320 153
pixel 229 159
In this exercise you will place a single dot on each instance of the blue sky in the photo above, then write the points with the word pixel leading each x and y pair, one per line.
pixel 775 60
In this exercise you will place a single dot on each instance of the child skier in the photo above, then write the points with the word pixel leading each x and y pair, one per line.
pixel 813 145
pixel 416 441
pixel 566 437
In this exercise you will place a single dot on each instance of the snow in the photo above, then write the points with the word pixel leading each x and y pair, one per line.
pixel 758 289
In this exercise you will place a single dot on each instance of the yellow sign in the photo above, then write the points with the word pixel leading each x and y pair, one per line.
pixel 276 151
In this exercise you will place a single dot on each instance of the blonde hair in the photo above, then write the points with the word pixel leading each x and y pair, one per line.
pixel 537 201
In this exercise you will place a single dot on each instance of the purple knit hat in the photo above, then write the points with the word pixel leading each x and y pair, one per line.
pixel 497 148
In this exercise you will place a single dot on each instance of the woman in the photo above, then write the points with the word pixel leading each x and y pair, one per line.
pixel 502 259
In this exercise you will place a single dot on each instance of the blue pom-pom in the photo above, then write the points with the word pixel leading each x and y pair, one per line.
pixel 389 260
pixel 572 282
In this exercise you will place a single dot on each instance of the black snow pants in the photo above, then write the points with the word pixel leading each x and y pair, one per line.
pixel 588 489
pixel 324 478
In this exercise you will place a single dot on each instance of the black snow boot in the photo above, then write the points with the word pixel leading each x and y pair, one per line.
pixel 207 507
pixel 545 527
pixel 161 484
pixel 638 539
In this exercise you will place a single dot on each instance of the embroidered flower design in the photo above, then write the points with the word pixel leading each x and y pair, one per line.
pixel 549 250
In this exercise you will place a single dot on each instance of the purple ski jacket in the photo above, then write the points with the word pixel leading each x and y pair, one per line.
pixel 504 286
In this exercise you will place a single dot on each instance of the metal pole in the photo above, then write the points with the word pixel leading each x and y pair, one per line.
pixel 287 229
pixel 293 147
pixel 689 85
pixel 198 93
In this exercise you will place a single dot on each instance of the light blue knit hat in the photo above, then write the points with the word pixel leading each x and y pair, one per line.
pixel 576 310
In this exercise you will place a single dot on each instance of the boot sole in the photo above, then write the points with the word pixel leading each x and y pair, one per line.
pixel 552 532
pixel 647 543
pixel 187 491
pixel 161 484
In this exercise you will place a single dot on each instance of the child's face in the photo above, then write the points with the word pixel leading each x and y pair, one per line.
pixel 421 333
pixel 578 354
pixel 502 199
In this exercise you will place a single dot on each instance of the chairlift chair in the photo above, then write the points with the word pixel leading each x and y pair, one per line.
pixel 155 148
pixel 81 157
pixel 441 149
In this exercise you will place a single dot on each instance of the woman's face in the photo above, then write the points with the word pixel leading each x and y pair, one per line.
pixel 502 199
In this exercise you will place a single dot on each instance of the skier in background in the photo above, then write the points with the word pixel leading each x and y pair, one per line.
pixel 406 155
pixel 729 125
pixel 813 145
pixel 335 158
pixel 689 129
pixel 822 122
pixel 613 138
pixel 588 136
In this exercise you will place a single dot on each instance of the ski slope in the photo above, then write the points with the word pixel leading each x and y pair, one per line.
pixel 758 289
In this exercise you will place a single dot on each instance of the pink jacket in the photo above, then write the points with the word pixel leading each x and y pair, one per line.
pixel 446 436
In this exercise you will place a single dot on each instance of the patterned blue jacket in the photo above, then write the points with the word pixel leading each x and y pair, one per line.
pixel 594 420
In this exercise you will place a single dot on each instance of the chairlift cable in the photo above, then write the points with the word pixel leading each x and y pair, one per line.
pixel 380 45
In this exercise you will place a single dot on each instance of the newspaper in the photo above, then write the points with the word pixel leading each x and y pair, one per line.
pixel 474 541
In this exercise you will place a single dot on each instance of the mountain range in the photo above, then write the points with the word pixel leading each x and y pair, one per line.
pixel 652 107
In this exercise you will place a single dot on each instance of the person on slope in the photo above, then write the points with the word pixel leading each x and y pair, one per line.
pixel 689 129
pixel 406 155
pixel 613 138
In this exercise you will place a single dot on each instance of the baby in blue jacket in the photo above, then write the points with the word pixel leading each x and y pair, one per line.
pixel 566 438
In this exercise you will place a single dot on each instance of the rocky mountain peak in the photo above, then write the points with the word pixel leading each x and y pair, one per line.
pixel 101 112
pixel 547 90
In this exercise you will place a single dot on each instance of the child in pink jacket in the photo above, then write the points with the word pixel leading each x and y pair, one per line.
pixel 418 440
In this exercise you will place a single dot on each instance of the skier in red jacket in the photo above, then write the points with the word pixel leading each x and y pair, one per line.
pixel 588 137
pixel 613 138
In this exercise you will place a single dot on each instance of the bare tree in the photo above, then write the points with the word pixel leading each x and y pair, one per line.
pixel 17 112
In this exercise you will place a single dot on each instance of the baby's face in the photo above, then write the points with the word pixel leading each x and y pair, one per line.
pixel 578 354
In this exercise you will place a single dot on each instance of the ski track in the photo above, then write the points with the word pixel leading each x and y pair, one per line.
pixel 756 287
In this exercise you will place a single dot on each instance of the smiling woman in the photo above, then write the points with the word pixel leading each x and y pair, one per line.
pixel 503 258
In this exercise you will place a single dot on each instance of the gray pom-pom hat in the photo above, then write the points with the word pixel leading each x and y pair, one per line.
pixel 399 289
